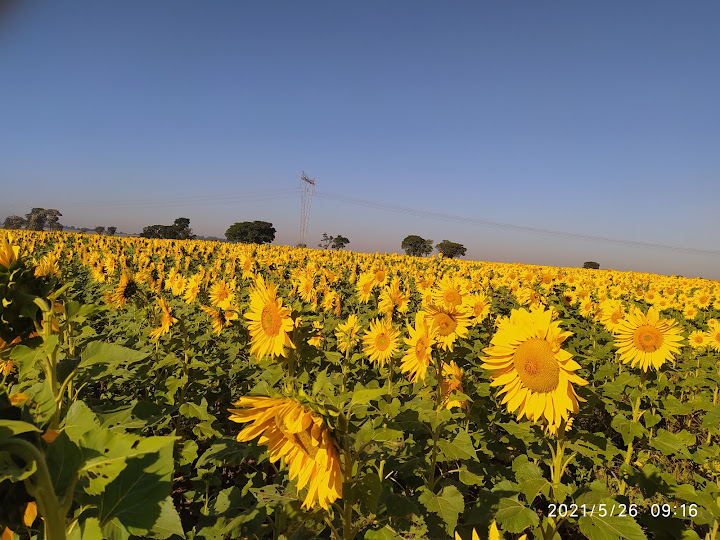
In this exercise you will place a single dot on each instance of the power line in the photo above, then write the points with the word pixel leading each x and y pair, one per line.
pixel 506 226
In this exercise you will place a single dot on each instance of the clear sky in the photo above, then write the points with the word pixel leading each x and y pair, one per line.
pixel 589 118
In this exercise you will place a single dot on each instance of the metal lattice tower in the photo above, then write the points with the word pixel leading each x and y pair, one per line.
pixel 307 187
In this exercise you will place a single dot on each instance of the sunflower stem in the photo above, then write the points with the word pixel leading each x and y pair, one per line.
pixel 438 429
pixel 636 414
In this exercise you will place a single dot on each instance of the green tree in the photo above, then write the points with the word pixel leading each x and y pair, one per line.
pixel 325 241
pixel 592 264
pixel 417 246
pixel 35 220
pixel 111 230
pixel 179 230
pixel 339 242
pixel 450 249
pixel 14 222
pixel 100 229
pixel 52 223
pixel 251 232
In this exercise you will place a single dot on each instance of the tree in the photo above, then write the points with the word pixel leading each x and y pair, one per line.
pixel 35 220
pixel 339 242
pixel 14 222
pixel 179 230
pixel 325 241
pixel 251 232
pixel 100 229
pixel 592 264
pixel 416 246
pixel 450 249
pixel 52 222
pixel 111 230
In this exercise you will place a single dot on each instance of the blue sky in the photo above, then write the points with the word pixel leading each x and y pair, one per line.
pixel 599 119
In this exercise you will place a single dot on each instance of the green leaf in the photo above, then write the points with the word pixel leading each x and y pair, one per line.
pixel 386 533
pixel 9 428
pixel 610 527
pixel 530 478
pixel 365 396
pixel 107 453
pixel 627 428
pixel 79 420
pixel 135 497
pixel 461 447
pixel 673 443
pixel 98 352
pixel 9 470
pixel 63 459
pixel 88 529
pixel 368 493
pixel 711 420
pixel 447 504
pixel 168 524
pixel 514 516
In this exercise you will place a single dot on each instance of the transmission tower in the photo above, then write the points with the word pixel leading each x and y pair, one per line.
pixel 307 187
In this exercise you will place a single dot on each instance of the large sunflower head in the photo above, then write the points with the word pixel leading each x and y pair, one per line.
pixel 535 374
pixel 301 438
pixel 125 290
pixel 270 322
pixel 347 333
pixel 646 340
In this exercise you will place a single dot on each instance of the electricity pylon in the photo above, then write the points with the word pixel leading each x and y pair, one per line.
pixel 307 187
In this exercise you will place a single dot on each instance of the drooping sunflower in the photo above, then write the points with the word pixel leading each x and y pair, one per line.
pixel 125 290
pixel 452 382
pixel 534 372
pixel 166 320
pixel 270 322
pixel 380 342
pixel 646 340
pixel 219 319
pixel 299 436
pixel 420 341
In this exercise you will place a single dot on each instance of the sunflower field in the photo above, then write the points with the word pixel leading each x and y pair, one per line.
pixel 188 389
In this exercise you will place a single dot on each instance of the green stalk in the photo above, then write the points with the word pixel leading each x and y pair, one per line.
pixel 636 417
pixel 40 487
pixel 438 428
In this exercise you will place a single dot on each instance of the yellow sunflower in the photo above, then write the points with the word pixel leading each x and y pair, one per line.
pixel 646 340
pixel 535 373
pixel 270 322
pixel 493 534
pixel 698 339
pixel 713 337
pixel 347 333
pixel 221 295
pixel 380 342
pixel 450 324
pixel 166 320
pixel 125 290
pixel 452 382
pixel 8 252
pixel 477 306
pixel 298 436
pixel 219 319
pixel 418 356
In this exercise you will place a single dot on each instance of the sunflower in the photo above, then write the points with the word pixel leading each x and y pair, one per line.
pixel 219 319
pixel 8 252
pixel 166 320
pixel 477 307
pixel 270 322
pixel 364 287
pixel 699 339
pixel 417 357
pixel 221 295
pixel 452 382
pixel 301 438
pixel 646 339
pixel 380 342
pixel 535 373
pixel 713 337
pixel 448 294
pixel 450 324
pixel 347 333
pixel 125 290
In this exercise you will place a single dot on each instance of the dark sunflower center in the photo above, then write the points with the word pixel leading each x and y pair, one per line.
pixel 452 297
pixel 382 342
pixel 647 338
pixel 536 365
pixel 420 347
pixel 130 289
